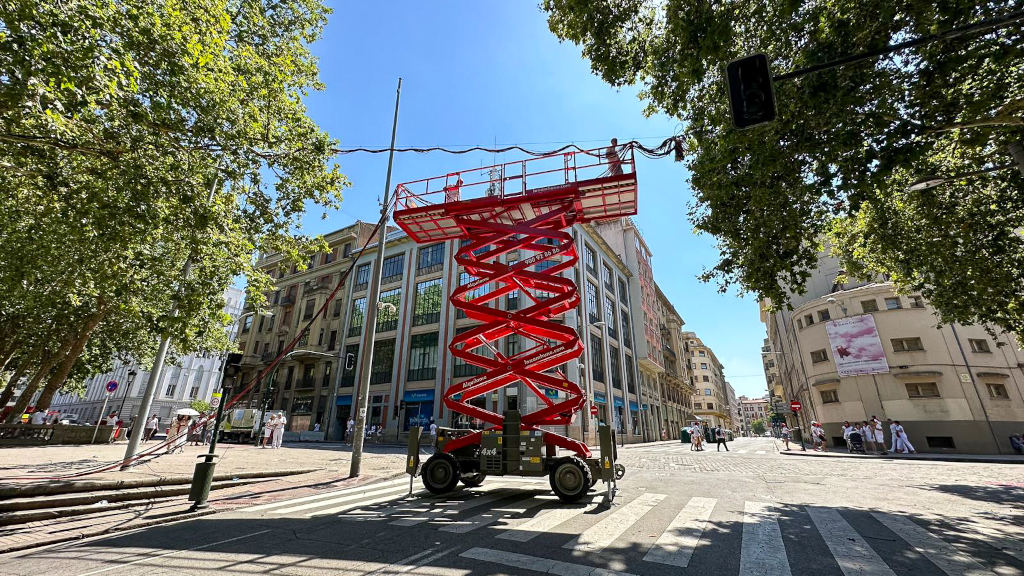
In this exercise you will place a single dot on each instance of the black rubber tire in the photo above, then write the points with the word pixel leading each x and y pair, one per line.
pixel 570 479
pixel 473 480
pixel 441 473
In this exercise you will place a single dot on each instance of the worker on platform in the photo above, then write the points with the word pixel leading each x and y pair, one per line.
pixel 611 155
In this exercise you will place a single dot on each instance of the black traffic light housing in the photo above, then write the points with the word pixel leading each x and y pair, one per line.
pixel 751 98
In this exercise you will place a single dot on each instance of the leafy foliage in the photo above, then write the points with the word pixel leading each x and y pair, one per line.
pixel 201 406
pixel 757 427
pixel 136 137
pixel 836 166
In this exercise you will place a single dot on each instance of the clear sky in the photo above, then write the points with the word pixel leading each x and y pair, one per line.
pixel 485 73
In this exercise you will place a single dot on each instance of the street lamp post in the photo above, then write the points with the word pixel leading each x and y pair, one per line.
pixel 127 387
pixel 609 395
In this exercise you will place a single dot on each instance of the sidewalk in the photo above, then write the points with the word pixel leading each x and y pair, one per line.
pixel 929 457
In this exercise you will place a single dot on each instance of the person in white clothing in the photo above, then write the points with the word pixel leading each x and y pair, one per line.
pixel 268 430
pixel 39 418
pixel 350 430
pixel 892 434
pixel 279 431
pixel 876 430
pixel 903 443
pixel 868 435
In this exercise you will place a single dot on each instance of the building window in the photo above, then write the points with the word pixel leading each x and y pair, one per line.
pixel 706 379
pixel 346 250
pixel 940 442
pixel 513 345
pixel 336 312
pixel 613 367
pixel 697 405
pixel 630 382
pixel 387 316
pixel 829 396
pixel 332 340
pixel 588 258
pixel 330 256
pixel 893 304
pixel 609 316
pixel 711 406
pixel 707 391
pixel 979 345
pixel 193 392
pixel 383 361
pixel 247 324
pixel 627 336
pixel 355 324
pixel 922 389
pixel 808 319
pixel 997 391
pixel 606 277
pixel 427 309
pixel 597 358
pixel 512 300
pixel 799 323
pixel 545 264
pixel 430 258
pixel 916 302
pixel 462 368
pixel 824 316
pixel 593 314
pixel 362 277
pixel 310 307
pixel 869 305
pixel 326 379
pixel 423 356
pixel 819 356
pixel 302 405
pixel 906 344
pixel 391 269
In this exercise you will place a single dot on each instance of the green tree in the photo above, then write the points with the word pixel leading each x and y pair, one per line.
pixel 201 406
pixel 757 427
pixel 135 137
pixel 836 166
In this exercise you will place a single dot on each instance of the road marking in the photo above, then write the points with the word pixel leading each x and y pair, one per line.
pixel 171 553
pixel 760 451
pixel 461 527
pixel 763 552
pixel 544 522
pixel 467 504
pixel 403 565
pixel 676 544
pixel 393 490
pixel 536 564
pixel 744 452
pixel 389 497
pixel 851 551
pixel 943 554
pixel 600 535
pixel 363 488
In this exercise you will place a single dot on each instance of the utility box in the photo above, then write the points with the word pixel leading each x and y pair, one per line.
pixel 532 452
pixel 511 441
pixel 491 451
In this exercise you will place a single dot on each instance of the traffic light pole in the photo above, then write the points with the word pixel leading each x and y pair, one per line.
pixel 372 300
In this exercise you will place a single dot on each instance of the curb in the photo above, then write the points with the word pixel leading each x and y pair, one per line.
pixel 904 458
pixel 68 487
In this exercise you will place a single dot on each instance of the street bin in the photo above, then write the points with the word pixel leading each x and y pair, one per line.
pixel 684 435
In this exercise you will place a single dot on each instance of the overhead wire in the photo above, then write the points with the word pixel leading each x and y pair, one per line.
pixel 672 145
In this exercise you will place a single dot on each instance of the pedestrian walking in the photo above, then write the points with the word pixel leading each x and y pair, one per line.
pixel 433 432
pixel 279 431
pixel 903 444
pixel 176 435
pixel 867 434
pixel 785 435
pixel 892 434
pixel 847 430
pixel 818 436
pixel 151 425
pixel 879 436
pixel 268 430
pixel 720 440
pixel 350 430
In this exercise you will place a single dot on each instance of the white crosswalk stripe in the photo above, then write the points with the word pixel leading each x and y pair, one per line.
pixel 388 491
pixel 491 516
pixel 544 522
pixel 762 552
pixel 944 555
pixel 325 495
pixel 677 542
pixel 600 535
pixel 850 550
pixel 439 513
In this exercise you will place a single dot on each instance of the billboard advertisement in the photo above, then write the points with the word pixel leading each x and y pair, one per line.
pixel 856 347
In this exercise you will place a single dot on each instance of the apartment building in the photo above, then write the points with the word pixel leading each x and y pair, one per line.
pixel 710 397
pixel 412 365
pixel 954 388
pixel 192 377
pixel 733 402
pixel 751 410
pixel 676 392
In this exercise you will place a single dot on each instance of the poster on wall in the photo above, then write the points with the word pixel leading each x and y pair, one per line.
pixel 856 347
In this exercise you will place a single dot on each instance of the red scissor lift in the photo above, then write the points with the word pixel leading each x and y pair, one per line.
pixel 525 207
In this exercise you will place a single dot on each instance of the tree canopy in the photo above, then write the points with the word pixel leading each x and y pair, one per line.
pixel 136 137
pixel 836 167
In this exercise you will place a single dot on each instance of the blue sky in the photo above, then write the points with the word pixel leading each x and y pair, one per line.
pixel 480 73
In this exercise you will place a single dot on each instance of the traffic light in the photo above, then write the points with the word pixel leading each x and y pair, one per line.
pixel 350 361
pixel 750 91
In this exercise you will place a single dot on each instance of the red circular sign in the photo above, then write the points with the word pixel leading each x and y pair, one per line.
pixel 593 409
pixel 795 406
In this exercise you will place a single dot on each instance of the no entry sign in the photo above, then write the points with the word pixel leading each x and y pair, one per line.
pixel 593 409
pixel 795 406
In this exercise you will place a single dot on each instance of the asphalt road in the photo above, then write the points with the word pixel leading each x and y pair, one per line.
pixel 747 512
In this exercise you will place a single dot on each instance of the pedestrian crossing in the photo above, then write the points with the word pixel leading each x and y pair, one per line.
pixel 651 532
pixel 746 446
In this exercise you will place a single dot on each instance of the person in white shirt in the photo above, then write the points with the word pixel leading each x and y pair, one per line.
pixel 268 430
pixel 892 433
pixel 433 433
pixel 903 443
pixel 351 429
pixel 785 435
pixel 151 425
pixel 869 437
pixel 38 418
pixel 279 431
pixel 879 437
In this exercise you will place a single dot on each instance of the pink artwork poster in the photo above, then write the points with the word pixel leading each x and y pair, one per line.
pixel 855 346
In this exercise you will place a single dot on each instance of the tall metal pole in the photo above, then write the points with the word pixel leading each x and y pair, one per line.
pixel 161 355
pixel 370 332
pixel 103 412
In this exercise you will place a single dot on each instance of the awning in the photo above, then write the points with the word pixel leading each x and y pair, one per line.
pixel 633 406
pixel 419 395
pixel 344 400
pixel 618 403
pixel 599 398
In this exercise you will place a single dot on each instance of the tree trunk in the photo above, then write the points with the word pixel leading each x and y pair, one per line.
pixel 30 390
pixel 12 383
pixel 60 374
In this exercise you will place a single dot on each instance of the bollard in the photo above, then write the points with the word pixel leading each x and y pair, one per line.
pixel 202 479
pixel 412 463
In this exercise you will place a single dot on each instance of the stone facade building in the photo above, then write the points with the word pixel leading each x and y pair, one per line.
pixel 711 396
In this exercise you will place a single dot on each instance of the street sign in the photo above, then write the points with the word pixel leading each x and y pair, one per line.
pixel 795 406
pixel 593 409
pixel 215 400
pixel 112 385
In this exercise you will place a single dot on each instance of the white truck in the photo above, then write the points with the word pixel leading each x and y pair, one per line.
pixel 243 424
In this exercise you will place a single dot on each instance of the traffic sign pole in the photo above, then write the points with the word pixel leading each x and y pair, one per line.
pixel 103 411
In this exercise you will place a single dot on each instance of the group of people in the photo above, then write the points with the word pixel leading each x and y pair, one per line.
pixel 697 438
pixel 273 431
pixel 874 439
